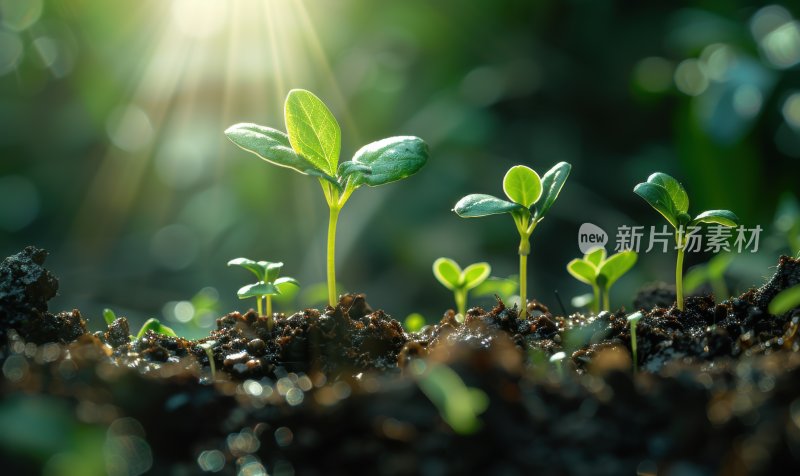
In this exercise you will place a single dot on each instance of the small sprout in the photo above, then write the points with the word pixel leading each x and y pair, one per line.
pixel 601 273
pixel 713 273
pixel 785 301
pixel 414 322
pixel 668 197
pixel 450 274
pixel 312 147
pixel 458 404
pixel 633 319
pixel 531 198
pixel 557 360
pixel 208 348
pixel 109 316
pixel 269 283
pixel 156 326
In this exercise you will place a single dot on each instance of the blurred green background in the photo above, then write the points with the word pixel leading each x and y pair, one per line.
pixel 113 156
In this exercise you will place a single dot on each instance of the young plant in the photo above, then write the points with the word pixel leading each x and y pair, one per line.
pixel 668 197
pixel 557 359
pixel 450 274
pixel 633 320
pixel 268 284
pixel 312 147
pixel 156 326
pixel 601 273
pixel 531 198
pixel 109 316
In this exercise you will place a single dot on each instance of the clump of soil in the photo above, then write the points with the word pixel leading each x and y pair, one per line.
pixel 336 391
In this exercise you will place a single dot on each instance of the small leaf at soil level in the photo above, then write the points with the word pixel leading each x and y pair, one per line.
pixel 785 301
pixel 479 205
pixel 617 265
pixel 447 272
pixel 414 322
pixel 552 183
pixel 387 160
pixel 721 217
pixel 313 131
pixel 676 191
pixel 522 185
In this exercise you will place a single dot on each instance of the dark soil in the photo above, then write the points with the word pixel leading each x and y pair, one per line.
pixel 338 391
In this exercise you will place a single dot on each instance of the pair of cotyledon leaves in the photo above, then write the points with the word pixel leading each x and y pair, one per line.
pixel 313 144
pixel 526 190
pixel 595 269
pixel 668 197
pixel 267 273
pixel 450 274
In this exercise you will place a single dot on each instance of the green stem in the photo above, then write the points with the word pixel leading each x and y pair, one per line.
pixel 334 218
pixel 258 305
pixel 461 301
pixel 523 285
pixel 269 311
pixel 596 304
pixel 633 347
pixel 606 301
pixel 679 278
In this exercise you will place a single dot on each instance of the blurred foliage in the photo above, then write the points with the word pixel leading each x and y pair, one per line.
pixel 113 155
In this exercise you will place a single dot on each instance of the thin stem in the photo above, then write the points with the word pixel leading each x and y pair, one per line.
pixel 334 218
pixel 461 301
pixel 523 285
pixel 269 312
pixel 606 301
pixel 596 304
pixel 633 346
pixel 258 305
pixel 679 278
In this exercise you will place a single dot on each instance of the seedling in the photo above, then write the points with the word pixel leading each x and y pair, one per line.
pixel 668 197
pixel 557 360
pixel 109 316
pixel 312 147
pixel 450 274
pixel 785 301
pixel 712 273
pixel 601 273
pixel 531 198
pixel 269 283
pixel 208 348
pixel 156 326
pixel 633 320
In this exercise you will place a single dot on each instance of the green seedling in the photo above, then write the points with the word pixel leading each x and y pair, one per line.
pixel 557 359
pixel 208 348
pixel 269 283
pixel 785 301
pixel 712 273
pixel 109 316
pixel 156 326
pixel 668 197
pixel 312 147
pixel 601 273
pixel 633 320
pixel 531 198
pixel 450 274
pixel 414 322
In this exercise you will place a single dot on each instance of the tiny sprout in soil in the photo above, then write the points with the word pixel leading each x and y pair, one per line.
pixel 531 198
pixel 601 273
pixel 450 274
pixel 557 359
pixel 312 147
pixel 156 326
pixel 668 197
pixel 109 316
pixel 633 320
pixel 269 282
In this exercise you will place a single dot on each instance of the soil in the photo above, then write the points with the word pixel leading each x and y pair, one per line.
pixel 338 391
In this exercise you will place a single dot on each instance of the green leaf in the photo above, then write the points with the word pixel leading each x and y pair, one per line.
pixel 552 183
pixel 156 326
pixel 258 289
pixel 474 274
pixel 387 160
pixel 583 271
pixel 447 272
pixel 680 199
pixel 273 270
pixel 269 144
pixel 109 316
pixel 617 265
pixel 479 205
pixel 596 256
pixel 785 301
pixel 522 185
pixel 722 217
pixel 313 131
pixel 659 198
pixel 256 267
